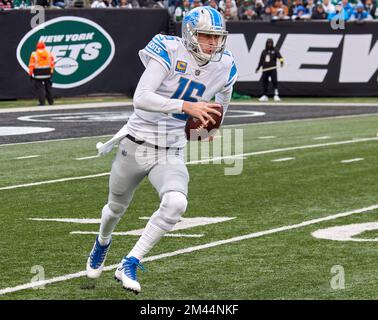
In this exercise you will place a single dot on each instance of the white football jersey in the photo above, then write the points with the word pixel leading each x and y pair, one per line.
pixel 186 81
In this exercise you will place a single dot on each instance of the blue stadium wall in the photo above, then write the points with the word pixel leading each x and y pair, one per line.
pixel 319 60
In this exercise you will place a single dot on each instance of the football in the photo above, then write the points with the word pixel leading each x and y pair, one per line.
pixel 196 130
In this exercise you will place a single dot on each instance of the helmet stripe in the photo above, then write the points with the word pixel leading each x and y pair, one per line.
pixel 216 19
pixel 211 15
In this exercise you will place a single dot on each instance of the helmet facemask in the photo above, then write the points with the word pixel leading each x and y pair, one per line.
pixel 217 49
pixel 191 34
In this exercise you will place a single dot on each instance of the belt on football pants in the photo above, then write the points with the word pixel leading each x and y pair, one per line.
pixel 140 142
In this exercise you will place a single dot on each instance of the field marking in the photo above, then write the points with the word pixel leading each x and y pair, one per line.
pixel 223 126
pixel 193 249
pixel 93 105
pixel 306 104
pixel 28 157
pixel 267 137
pixel 283 159
pixel 352 160
pixel 347 232
pixel 322 138
pixel 237 156
pixel 54 140
pixel 362 115
pixel 68 220
pixel 54 181
pixel 86 158
pixel 126 233
pixel 310 146
pixel 183 224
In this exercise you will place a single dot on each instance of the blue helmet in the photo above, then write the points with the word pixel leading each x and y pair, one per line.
pixel 205 20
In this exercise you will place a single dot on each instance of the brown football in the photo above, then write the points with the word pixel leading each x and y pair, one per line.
pixel 195 130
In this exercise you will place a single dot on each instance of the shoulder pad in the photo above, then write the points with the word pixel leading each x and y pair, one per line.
pixel 160 48
pixel 230 63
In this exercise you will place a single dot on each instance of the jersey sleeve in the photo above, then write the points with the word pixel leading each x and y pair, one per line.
pixel 233 71
pixel 160 48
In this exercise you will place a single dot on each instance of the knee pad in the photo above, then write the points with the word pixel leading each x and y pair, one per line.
pixel 172 207
pixel 115 208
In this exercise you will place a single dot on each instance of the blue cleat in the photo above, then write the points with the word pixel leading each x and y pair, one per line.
pixel 127 274
pixel 96 260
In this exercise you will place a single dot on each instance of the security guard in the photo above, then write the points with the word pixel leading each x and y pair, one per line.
pixel 41 68
pixel 268 62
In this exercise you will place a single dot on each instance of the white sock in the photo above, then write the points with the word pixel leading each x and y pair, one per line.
pixel 150 236
pixel 109 221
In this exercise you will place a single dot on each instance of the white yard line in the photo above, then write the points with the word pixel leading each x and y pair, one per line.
pixel 86 158
pixel 95 105
pixel 311 146
pixel 28 157
pixel 307 104
pixel 223 126
pixel 54 181
pixel 283 159
pixel 302 120
pixel 237 156
pixel 126 233
pixel 322 138
pixel 53 140
pixel 92 105
pixel 352 160
pixel 193 249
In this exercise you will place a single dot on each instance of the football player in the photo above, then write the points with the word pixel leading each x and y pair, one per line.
pixel 181 77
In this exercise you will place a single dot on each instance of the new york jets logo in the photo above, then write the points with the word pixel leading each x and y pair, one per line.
pixel 82 49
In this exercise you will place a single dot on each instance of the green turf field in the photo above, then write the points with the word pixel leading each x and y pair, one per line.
pixel 286 263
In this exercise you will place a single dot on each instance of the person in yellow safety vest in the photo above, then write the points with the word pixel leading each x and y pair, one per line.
pixel 41 69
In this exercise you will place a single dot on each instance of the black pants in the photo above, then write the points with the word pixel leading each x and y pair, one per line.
pixel 272 74
pixel 43 90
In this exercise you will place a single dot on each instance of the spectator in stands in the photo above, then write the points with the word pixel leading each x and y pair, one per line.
pixel 157 4
pixel 360 14
pixel 300 13
pixel 339 13
pixel 172 5
pixel 246 11
pixel 279 11
pixel 212 3
pixel 42 3
pixel 99 4
pixel 228 15
pixel 328 6
pixel 182 10
pixel 267 14
pixel 230 11
pixel 196 3
pixel 318 13
pixel 371 8
pixel 347 7
pixel 58 4
pixel 293 5
pixel 125 4
pixel 259 8
pixel 231 3
pixel 21 4
pixel 310 6
pixel 5 5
